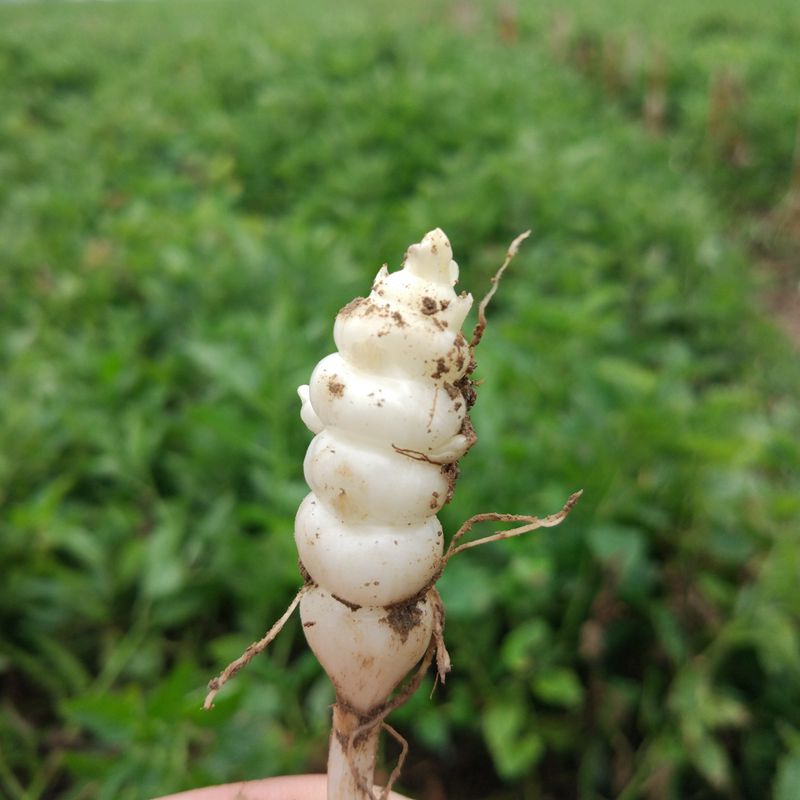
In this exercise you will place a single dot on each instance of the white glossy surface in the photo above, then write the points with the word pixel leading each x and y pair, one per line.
pixel 363 655
pixel 369 564
pixel 368 531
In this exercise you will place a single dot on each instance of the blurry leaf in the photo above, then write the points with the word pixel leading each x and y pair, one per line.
pixel 788 778
pixel 670 633
pixel 788 774
pixel 432 729
pixel 625 375
pixel 701 706
pixel 620 547
pixel 778 638
pixel 559 687
pixel 727 712
pixel 63 663
pixel 225 364
pixel 113 716
pixel 468 590
pixel 514 744
pixel 522 646
pixel 165 568
pixel 177 691
pixel 711 760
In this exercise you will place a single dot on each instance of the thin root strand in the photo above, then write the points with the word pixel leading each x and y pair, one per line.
pixel 215 684
pixel 443 663
pixel 531 524
pixel 401 760
pixel 480 326
pixel 415 455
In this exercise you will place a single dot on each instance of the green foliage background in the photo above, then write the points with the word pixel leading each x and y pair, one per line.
pixel 189 192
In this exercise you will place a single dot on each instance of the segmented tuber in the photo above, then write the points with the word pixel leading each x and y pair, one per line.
pixel 390 414
pixel 390 421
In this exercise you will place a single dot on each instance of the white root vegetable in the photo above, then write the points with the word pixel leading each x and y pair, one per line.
pixel 368 534
pixel 390 410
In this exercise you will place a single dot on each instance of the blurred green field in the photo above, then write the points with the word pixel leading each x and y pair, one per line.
pixel 721 78
pixel 190 191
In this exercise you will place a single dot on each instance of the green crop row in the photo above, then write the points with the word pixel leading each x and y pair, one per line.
pixel 720 79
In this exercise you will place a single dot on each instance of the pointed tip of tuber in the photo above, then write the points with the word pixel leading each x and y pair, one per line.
pixel 432 259
pixel 435 234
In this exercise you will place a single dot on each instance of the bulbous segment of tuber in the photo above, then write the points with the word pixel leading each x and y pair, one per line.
pixel 361 482
pixel 412 414
pixel 370 563
pixel 366 651
pixel 419 347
